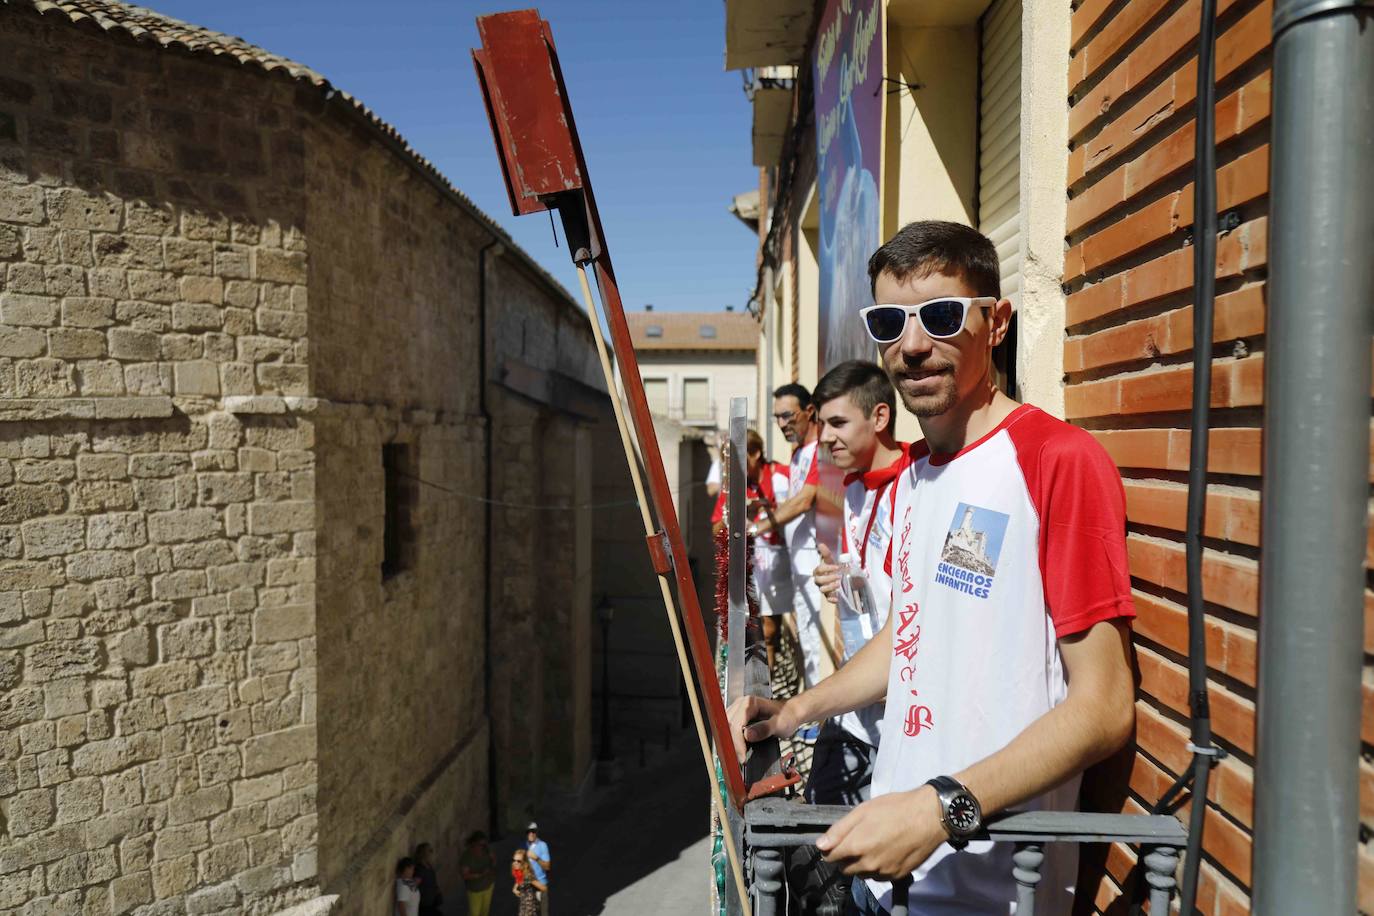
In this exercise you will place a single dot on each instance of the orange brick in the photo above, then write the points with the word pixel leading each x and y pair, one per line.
pixel 1229 581
pixel 1115 34
pixel 1236 315
pixel 1241 43
pixel 1244 249
pixel 1233 717
pixel 1240 111
pixel 1366 792
pixel 1230 648
pixel 1177 33
pixel 1084 18
pixel 1366 879
pixel 1241 181
pixel 1093 399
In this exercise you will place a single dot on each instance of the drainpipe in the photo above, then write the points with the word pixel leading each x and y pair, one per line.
pixel 1316 458
pixel 494 248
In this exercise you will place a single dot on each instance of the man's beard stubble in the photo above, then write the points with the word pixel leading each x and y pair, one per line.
pixel 928 405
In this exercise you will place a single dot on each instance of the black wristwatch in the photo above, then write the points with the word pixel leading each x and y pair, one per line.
pixel 960 813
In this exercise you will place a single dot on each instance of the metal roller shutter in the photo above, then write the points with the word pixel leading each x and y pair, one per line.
pixel 999 139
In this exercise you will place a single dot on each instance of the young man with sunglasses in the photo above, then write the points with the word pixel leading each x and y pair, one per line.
pixel 1006 659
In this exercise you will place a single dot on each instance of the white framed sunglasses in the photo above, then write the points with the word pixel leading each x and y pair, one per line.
pixel 941 318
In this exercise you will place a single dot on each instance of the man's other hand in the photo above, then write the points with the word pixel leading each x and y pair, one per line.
pixel 887 837
pixel 772 721
pixel 827 574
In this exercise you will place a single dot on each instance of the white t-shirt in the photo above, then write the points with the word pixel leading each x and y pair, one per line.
pixel 865 599
pixel 801 531
pixel 408 896
pixel 998 551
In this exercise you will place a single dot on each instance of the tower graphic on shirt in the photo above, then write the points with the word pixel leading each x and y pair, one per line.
pixel 968 561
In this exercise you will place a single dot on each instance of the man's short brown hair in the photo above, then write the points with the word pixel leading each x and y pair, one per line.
pixel 866 384
pixel 932 246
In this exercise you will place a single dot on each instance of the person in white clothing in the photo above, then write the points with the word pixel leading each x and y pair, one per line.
pixel 1005 661
pixel 407 896
pixel 796 417
pixel 856 406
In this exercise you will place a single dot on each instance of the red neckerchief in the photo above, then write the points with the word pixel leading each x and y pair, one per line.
pixel 875 479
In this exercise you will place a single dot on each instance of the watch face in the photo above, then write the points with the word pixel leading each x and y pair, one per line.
pixel 963 814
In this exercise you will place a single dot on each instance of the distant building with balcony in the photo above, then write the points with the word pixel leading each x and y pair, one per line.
pixel 694 362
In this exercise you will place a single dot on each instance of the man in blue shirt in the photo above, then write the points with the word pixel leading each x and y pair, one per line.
pixel 538 852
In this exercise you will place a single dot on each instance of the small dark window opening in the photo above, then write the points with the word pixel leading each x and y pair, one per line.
pixel 402 491
pixel 653 330
pixel 707 331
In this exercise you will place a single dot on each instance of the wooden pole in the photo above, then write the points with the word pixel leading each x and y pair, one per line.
pixel 669 605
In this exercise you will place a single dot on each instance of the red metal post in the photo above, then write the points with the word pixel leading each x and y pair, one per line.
pixel 544 168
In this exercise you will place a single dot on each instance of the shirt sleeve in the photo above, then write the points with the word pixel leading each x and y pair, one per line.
pixel 718 513
pixel 813 476
pixel 1082 507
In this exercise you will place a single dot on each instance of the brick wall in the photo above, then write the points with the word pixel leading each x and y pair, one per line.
pixel 1128 359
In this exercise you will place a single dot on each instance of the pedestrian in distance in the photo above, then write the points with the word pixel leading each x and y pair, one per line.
pixel 407 896
pixel 527 888
pixel 478 866
pixel 431 897
pixel 539 861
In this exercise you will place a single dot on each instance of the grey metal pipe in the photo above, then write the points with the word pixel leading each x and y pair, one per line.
pixel 1316 488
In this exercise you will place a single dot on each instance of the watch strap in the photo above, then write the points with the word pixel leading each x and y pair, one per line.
pixel 945 788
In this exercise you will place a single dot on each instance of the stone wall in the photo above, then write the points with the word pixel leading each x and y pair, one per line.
pixel 183 428
pixel 157 656
pixel 395 342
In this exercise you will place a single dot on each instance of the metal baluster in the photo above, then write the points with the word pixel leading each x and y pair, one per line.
pixel 901 891
pixel 1160 864
pixel 767 880
pixel 1026 861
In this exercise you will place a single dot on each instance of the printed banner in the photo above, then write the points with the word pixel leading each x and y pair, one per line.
pixel 848 77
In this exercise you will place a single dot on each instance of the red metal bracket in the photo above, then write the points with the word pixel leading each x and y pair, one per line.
pixel 660 553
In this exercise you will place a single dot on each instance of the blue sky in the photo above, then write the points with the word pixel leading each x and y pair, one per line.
pixel 665 128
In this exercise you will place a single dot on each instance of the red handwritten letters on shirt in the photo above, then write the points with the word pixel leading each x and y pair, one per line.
pixel 907 640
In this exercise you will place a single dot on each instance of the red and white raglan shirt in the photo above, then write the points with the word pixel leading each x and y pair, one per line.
pixel 807 600
pixel 865 596
pixel 998 552
pixel 772 571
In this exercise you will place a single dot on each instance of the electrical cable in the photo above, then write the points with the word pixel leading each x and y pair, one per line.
pixel 1205 754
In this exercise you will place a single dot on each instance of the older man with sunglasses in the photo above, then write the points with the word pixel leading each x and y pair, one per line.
pixel 1005 661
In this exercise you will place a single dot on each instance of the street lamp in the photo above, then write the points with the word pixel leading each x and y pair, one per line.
pixel 604 612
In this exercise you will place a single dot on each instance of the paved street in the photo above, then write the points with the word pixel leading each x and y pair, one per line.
pixel 643 848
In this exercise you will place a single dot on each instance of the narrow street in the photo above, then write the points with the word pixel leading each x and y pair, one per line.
pixel 642 848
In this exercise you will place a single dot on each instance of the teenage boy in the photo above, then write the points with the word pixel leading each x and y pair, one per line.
pixel 856 407
pixel 796 417
pixel 1005 661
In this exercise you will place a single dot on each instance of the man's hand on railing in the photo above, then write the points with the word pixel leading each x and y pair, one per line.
pixel 887 837
pixel 773 721
pixel 827 574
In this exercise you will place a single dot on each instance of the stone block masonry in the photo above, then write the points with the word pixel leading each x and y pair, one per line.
pixel 158 748
pixel 240 340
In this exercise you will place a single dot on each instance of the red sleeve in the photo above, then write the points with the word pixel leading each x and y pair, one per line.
pixel 1078 495
pixel 718 512
pixel 813 476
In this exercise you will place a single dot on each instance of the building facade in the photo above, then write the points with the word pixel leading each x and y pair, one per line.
pixel 1065 133
pixel 298 537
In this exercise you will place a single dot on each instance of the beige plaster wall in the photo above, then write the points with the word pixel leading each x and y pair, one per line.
pixel 1044 175
pixel 932 171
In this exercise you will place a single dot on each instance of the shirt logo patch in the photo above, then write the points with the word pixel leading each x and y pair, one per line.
pixel 968 561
